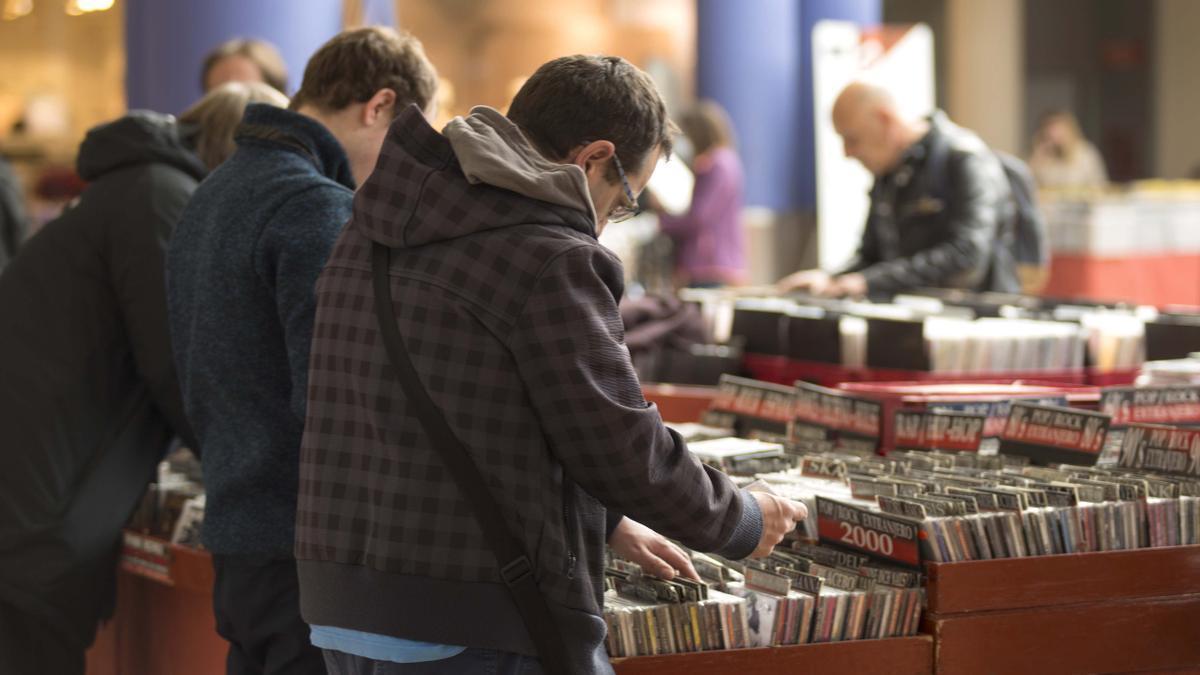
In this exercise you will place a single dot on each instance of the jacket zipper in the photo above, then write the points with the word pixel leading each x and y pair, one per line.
pixel 568 530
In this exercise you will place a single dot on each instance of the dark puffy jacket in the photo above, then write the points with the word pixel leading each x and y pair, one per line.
pixel 12 214
pixel 508 306
pixel 88 393
pixel 941 219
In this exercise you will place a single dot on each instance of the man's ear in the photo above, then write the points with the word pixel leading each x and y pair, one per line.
pixel 884 117
pixel 380 106
pixel 594 157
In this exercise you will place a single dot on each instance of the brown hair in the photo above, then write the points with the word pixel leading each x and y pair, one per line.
pixel 707 126
pixel 1067 118
pixel 260 52
pixel 356 64
pixel 575 100
pixel 216 117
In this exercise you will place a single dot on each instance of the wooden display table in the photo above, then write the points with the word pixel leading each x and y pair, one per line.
pixel 680 403
pixel 164 625
pixel 1116 612
pixel 896 656
pixel 164 621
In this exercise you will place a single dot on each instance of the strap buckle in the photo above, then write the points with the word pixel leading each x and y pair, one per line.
pixel 516 571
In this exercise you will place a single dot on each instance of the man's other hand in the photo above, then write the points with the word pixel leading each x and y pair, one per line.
pixel 816 282
pixel 779 517
pixel 657 556
pixel 849 286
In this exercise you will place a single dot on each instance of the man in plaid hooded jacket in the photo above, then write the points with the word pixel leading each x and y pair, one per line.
pixel 507 306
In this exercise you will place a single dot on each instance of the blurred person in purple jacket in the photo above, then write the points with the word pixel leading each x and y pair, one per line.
pixel 709 241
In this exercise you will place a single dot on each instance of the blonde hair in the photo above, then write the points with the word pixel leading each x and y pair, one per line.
pixel 216 117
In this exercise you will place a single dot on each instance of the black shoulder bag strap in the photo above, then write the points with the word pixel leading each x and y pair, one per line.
pixel 515 567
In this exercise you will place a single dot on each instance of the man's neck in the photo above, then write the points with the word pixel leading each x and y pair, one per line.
pixel 914 132
pixel 320 116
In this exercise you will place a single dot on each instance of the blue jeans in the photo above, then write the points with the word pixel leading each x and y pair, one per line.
pixel 470 662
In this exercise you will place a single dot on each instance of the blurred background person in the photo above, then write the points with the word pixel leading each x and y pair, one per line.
pixel 244 60
pixel 1062 157
pixel 12 214
pixel 89 398
pixel 940 204
pixel 709 239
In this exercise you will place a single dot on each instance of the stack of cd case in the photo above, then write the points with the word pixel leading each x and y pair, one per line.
pixel 648 616
pixel 741 456
pixel 920 507
pixel 802 593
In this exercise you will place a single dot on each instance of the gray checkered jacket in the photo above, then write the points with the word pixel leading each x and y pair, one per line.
pixel 508 307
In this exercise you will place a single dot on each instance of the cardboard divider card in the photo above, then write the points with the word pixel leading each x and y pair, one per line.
pixel 924 430
pixel 831 556
pixel 853 423
pixel 804 583
pixel 824 467
pixel 755 406
pixel 886 537
pixel 763 580
pixel 1054 435
pixel 996 412
pixel 1161 448
pixel 1151 405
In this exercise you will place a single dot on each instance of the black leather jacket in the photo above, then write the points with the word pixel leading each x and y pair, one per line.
pixel 942 218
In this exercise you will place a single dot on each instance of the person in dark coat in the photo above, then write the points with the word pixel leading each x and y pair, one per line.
pixel 240 276
pixel 12 214
pixel 89 398
pixel 941 205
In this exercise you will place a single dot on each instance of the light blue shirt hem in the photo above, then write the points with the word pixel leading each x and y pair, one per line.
pixel 381 647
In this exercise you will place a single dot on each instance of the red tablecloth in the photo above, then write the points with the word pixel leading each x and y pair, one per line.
pixel 1161 279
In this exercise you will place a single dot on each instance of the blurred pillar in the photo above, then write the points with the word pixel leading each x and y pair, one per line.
pixel 748 59
pixel 166 41
pixel 754 57
pixel 985 69
pixel 1177 99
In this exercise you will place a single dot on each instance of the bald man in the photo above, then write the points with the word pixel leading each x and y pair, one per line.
pixel 941 208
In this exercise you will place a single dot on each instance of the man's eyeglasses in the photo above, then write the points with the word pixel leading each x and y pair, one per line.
pixel 629 209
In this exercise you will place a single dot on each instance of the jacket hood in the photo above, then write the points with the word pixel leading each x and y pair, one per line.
pixel 492 149
pixel 480 174
pixel 141 137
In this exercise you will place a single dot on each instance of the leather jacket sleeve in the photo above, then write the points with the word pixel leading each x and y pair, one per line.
pixel 868 249
pixel 976 191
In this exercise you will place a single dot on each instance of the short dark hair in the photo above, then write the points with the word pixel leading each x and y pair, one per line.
pixel 260 52
pixel 575 100
pixel 356 64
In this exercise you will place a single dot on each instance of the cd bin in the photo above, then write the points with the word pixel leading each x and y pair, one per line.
pixel 1113 612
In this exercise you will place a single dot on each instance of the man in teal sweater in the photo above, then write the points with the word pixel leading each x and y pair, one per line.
pixel 240 273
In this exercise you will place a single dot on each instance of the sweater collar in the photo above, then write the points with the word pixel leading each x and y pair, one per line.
pixel 288 130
